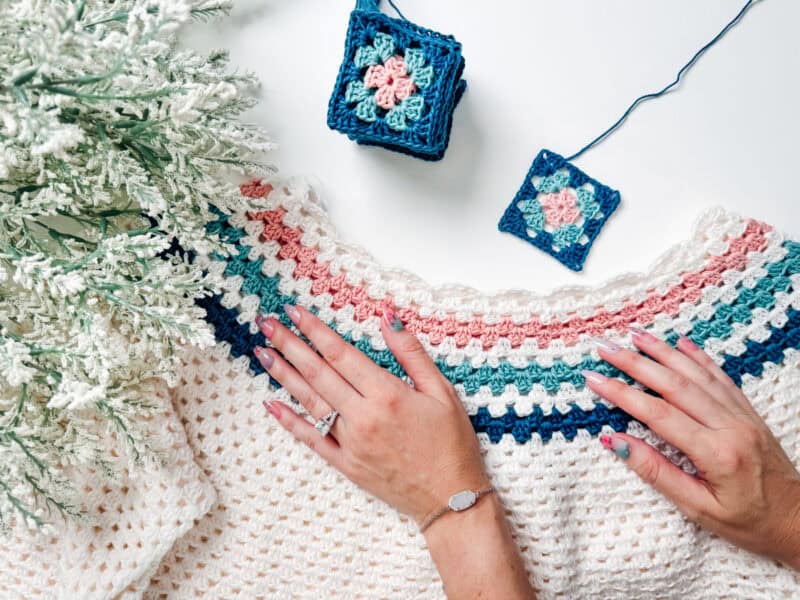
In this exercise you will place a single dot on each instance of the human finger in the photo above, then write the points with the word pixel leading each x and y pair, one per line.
pixel 411 355
pixel 655 469
pixel 673 385
pixel 671 423
pixel 354 366
pixel 322 378
pixel 304 431
pixel 734 394
pixel 280 370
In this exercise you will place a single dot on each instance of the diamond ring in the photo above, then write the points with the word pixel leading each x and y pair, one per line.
pixel 324 424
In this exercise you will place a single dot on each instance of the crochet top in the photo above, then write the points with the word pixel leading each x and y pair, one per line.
pixel 241 509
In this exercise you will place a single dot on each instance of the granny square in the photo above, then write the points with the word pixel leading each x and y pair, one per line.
pixel 398 84
pixel 559 209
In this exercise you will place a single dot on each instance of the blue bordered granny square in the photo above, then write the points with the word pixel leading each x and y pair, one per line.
pixel 559 209
pixel 398 85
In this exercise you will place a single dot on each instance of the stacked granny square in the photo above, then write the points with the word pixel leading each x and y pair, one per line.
pixel 398 84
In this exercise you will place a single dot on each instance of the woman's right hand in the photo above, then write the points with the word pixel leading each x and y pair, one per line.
pixel 746 489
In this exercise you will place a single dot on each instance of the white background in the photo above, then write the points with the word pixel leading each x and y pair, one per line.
pixel 542 74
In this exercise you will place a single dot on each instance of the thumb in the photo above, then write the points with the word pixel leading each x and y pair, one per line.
pixel 656 470
pixel 411 355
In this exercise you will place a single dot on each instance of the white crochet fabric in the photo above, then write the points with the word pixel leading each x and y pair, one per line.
pixel 131 524
pixel 286 525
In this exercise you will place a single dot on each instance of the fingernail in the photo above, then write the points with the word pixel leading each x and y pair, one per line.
pixel 391 320
pixel 265 358
pixel 607 345
pixel 266 326
pixel 593 376
pixel 292 312
pixel 689 343
pixel 642 334
pixel 272 408
pixel 618 446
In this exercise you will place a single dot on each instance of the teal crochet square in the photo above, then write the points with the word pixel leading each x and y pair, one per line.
pixel 398 85
pixel 559 209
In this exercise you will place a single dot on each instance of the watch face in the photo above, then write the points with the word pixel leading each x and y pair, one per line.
pixel 462 500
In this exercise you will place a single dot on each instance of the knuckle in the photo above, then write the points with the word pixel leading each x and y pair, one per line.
pixel 634 358
pixel 366 427
pixel 630 361
pixel 410 345
pixel 392 404
pixel 314 403
pixel 311 370
pixel 657 410
pixel 707 378
pixel 619 392
pixel 336 351
pixel 281 335
pixel 649 471
pixel 615 387
pixel 694 513
pixel 710 365
pixel 729 458
pixel 310 442
pixel 348 467
pixel 454 408
pixel 678 384
pixel 749 436
pixel 393 399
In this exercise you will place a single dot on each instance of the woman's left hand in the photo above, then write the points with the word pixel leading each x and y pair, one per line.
pixel 746 488
pixel 412 447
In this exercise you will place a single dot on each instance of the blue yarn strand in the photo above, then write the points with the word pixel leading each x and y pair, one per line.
pixel 397 10
pixel 668 88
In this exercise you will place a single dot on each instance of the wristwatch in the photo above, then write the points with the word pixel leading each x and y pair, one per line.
pixel 459 501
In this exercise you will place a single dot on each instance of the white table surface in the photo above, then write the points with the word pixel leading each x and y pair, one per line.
pixel 542 74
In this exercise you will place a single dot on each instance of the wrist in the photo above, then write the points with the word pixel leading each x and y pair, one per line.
pixel 441 505
pixel 475 552
pixel 791 530
pixel 487 513
pixel 794 551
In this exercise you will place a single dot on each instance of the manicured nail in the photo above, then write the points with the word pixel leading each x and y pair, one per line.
pixel 265 358
pixel 607 345
pixel 593 376
pixel 642 334
pixel 266 326
pixel 292 312
pixel 391 320
pixel 689 343
pixel 618 446
pixel 272 408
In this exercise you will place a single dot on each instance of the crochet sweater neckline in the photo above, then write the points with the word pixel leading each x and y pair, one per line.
pixel 709 235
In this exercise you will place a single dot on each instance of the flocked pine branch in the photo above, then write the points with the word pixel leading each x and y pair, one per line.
pixel 113 143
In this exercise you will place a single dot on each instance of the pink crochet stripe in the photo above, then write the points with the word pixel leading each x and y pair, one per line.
pixel 690 289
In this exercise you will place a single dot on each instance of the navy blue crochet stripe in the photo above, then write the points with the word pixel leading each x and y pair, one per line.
pixel 568 423
pixel 772 350
pixel 227 328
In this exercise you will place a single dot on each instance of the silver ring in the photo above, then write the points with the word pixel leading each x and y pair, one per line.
pixel 324 424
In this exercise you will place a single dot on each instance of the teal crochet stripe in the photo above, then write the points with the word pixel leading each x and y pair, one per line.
pixel 522 428
pixel 762 295
pixel 242 342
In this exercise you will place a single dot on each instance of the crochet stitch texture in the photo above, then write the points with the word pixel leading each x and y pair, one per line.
pixel 255 514
pixel 559 209
pixel 398 84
